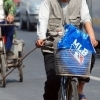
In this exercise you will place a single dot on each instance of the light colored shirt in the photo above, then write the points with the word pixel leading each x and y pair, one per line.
pixel 2 13
pixel 44 17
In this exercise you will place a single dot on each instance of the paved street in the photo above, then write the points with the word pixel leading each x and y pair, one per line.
pixel 34 75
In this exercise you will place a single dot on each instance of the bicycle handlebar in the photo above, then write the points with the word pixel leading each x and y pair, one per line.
pixel 51 41
pixel 48 43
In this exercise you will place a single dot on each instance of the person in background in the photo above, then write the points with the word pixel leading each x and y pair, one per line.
pixel 7 14
pixel 53 15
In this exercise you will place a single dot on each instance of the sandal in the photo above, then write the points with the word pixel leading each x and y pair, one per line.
pixel 82 96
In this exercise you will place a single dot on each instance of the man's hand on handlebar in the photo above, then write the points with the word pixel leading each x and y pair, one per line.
pixel 44 42
pixel 40 43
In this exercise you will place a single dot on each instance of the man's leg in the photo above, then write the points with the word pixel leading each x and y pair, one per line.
pixel 52 83
pixel 80 87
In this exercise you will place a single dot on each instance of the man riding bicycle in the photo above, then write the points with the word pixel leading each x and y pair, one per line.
pixel 53 15
pixel 7 13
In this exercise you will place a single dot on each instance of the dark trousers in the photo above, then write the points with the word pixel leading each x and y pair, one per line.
pixel 52 83
pixel 8 32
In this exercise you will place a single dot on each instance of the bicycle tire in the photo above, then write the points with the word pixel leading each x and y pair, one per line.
pixel 72 91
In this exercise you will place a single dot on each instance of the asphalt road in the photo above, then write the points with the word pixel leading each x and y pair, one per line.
pixel 32 87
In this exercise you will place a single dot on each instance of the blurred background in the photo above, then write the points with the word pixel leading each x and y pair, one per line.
pixel 27 13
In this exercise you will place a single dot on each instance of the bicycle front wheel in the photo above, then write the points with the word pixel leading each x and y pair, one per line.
pixel 72 91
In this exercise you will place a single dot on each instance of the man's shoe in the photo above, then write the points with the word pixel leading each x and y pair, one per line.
pixel 9 53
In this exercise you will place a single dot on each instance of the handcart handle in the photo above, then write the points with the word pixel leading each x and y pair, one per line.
pixel 8 25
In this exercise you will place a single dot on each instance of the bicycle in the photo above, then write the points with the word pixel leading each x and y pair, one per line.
pixel 68 73
pixel 69 82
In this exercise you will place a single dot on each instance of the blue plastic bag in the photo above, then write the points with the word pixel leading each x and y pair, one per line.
pixel 76 36
pixel 74 51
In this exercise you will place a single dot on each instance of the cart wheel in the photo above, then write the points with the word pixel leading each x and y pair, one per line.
pixel 3 70
pixel 20 72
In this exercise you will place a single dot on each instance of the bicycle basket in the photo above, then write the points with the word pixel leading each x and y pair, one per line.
pixel 70 62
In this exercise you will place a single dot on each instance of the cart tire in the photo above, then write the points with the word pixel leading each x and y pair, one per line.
pixel 20 69
pixel 3 70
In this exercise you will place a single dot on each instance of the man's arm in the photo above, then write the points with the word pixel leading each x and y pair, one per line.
pixel 86 20
pixel 90 31
pixel 9 7
pixel 43 20
pixel 85 15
